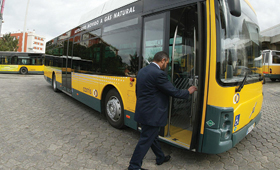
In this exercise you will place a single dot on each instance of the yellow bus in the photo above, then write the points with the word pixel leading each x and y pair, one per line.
pixel 23 63
pixel 212 45
pixel 271 64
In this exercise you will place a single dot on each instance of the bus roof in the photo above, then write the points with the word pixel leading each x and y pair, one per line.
pixel 108 6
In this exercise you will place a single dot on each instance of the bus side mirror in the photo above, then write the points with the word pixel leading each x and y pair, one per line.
pixel 234 7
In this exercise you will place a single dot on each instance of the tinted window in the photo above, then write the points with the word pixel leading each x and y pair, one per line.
pixel 124 24
pixel 120 52
pixel 23 60
pixel 92 34
pixel 276 58
pixel 87 56
pixel 2 60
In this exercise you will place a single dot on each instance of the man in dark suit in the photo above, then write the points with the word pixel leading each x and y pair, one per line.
pixel 152 91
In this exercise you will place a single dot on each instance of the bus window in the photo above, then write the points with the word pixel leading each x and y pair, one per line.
pixel 239 47
pixel 121 56
pixel 276 58
pixel 77 38
pixel 118 26
pixel 22 60
pixel 2 60
pixel 92 34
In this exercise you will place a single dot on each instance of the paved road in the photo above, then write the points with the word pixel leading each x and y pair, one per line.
pixel 41 129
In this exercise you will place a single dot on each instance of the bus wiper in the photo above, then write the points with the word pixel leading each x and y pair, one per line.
pixel 242 83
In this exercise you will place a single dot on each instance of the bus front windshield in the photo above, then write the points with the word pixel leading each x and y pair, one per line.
pixel 239 45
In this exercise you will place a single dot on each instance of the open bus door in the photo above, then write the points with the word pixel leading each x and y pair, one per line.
pixel 184 25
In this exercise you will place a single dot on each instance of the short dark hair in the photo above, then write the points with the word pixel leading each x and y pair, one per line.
pixel 160 55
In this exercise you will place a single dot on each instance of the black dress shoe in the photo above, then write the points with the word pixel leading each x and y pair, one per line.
pixel 166 159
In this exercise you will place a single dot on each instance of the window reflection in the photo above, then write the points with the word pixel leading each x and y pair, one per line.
pixel 153 37
pixel 115 54
pixel 240 45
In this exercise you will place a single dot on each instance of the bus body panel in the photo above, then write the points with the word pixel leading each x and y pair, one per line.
pixel 88 89
pixel 94 85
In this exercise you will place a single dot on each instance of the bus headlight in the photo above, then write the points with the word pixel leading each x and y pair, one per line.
pixel 226 126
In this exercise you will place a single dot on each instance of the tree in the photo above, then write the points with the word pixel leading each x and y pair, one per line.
pixel 8 43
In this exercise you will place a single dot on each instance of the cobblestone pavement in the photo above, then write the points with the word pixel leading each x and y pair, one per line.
pixel 41 129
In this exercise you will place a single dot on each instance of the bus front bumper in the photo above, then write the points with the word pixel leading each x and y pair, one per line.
pixel 216 139
pixel 239 135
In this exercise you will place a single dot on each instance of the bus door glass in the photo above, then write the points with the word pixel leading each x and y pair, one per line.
pixel 182 72
pixel 62 52
pixel 69 67
pixel 266 65
pixel 154 37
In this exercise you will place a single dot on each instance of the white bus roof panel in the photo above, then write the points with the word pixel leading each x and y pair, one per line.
pixel 108 6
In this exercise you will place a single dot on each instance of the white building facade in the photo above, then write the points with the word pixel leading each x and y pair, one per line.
pixel 36 43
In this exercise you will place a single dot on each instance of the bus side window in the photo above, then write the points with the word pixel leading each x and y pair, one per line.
pixel 120 55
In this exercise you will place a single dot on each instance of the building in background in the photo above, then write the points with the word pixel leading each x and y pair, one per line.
pixel 271 38
pixel 33 42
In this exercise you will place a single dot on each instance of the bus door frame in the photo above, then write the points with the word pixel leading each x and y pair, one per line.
pixel 69 57
pixel 66 83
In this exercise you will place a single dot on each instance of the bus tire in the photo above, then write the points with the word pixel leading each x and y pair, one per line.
pixel 114 109
pixel 54 84
pixel 272 79
pixel 23 70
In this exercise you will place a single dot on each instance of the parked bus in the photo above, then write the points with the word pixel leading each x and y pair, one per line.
pixel 23 63
pixel 271 64
pixel 211 43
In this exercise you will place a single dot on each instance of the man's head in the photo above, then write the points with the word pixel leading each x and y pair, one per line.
pixel 162 59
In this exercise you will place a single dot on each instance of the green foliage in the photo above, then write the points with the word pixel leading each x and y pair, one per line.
pixel 8 43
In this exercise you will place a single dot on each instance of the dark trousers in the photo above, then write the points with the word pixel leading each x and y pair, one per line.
pixel 148 139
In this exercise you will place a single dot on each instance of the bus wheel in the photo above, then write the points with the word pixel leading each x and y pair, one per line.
pixel 114 109
pixel 273 79
pixel 23 70
pixel 54 85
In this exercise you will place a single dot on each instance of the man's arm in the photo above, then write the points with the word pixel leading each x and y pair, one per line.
pixel 167 87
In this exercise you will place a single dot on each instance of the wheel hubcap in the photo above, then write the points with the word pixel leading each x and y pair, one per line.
pixel 114 108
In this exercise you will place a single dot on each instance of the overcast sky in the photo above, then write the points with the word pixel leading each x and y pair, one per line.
pixel 50 18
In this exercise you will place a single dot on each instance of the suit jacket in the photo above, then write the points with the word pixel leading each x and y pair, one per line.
pixel 152 91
